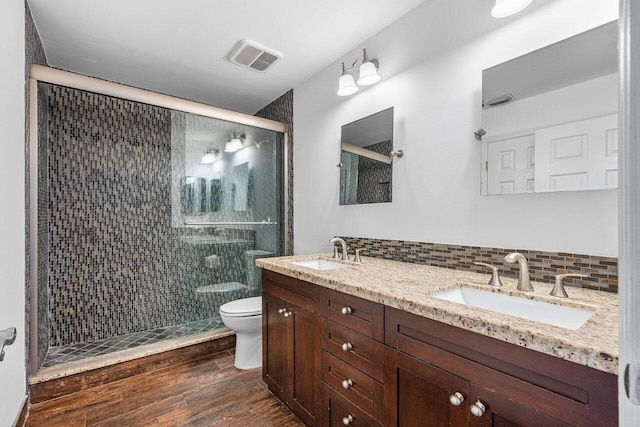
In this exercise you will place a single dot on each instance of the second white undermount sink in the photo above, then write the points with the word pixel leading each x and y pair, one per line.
pixel 320 264
pixel 538 311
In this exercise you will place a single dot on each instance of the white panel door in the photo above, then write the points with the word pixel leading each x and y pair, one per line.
pixel 578 156
pixel 510 165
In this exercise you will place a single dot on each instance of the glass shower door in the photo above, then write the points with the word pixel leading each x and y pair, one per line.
pixel 226 210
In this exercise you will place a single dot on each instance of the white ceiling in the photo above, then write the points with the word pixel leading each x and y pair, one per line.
pixel 179 47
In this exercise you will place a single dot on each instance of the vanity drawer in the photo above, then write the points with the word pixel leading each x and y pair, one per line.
pixel 366 317
pixel 338 411
pixel 303 294
pixel 355 386
pixel 356 349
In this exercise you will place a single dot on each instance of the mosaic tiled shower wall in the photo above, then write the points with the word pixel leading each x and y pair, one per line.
pixel 374 177
pixel 281 110
pixel 34 53
pixel 115 264
pixel 543 266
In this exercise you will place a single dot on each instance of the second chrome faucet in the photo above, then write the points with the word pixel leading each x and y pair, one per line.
pixel 524 283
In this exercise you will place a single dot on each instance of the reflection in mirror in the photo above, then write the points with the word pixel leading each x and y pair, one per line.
pixel 550 117
pixel 241 187
pixel 365 162
pixel 194 195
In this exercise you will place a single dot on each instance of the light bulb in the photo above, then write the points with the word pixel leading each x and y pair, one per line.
pixel 368 74
pixel 346 85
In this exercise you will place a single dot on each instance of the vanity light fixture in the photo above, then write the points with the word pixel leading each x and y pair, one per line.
pixel 235 143
pixel 504 8
pixel 368 75
pixel 210 156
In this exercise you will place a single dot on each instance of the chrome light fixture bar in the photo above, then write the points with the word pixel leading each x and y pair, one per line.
pixel 504 8
pixel 368 75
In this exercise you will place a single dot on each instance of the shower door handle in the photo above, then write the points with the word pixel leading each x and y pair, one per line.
pixel 7 337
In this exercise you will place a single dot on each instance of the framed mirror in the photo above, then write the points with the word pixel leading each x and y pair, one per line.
pixel 365 159
pixel 551 119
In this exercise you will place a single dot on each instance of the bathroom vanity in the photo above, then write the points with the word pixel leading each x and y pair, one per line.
pixel 387 352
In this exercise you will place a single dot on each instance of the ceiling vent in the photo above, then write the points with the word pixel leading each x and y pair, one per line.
pixel 250 54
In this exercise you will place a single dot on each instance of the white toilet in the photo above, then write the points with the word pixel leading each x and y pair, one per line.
pixel 244 317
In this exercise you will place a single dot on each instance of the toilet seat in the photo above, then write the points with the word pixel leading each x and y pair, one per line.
pixel 243 307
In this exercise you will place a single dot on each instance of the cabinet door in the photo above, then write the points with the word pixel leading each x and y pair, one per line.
pixel 417 394
pixel 276 345
pixel 500 411
pixel 305 363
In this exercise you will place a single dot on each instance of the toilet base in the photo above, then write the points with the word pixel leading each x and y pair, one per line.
pixel 248 350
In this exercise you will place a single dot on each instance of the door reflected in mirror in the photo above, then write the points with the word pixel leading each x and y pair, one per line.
pixel 551 119
pixel 365 159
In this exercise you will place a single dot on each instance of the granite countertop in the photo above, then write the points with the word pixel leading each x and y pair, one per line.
pixel 409 287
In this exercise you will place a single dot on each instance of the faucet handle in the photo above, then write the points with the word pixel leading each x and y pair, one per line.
pixel 495 278
pixel 558 288
pixel 357 257
pixel 336 254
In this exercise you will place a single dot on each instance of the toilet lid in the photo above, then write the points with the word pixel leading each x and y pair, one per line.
pixel 243 307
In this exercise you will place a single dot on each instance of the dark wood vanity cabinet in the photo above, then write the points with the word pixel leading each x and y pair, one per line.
pixel 290 333
pixel 336 359
pixel 515 386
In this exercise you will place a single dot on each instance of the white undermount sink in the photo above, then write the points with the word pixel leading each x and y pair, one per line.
pixel 538 311
pixel 320 264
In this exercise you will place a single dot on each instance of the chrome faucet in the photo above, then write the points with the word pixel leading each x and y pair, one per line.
pixel 345 255
pixel 524 283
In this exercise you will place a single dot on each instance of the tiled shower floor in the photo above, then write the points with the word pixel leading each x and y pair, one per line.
pixel 83 350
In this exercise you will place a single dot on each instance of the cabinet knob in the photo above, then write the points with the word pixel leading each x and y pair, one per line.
pixel 477 409
pixel 282 310
pixel 456 398
pixel 287 313
pixel 347 420
pixel 346 310
pixel 347 346
pixel 347 383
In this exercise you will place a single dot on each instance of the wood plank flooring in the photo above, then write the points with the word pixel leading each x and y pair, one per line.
pixel 206 392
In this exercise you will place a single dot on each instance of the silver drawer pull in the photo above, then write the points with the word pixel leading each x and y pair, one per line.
pixel 287 313
pixel 477 409
pixel 346 384
pixel 347 420
pixel 456 398
pixel 346 310
pixel 347 346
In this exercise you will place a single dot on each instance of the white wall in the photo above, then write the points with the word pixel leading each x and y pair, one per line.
pixel 12 216
pixel 431 62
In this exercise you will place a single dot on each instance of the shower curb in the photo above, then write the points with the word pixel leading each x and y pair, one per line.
pixel 58 387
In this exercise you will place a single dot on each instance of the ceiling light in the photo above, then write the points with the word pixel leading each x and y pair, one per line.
pixel 368 75
pixel 504 8
pixel 210 156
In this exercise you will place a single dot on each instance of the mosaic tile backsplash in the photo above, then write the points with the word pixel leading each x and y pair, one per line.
pixel 543 266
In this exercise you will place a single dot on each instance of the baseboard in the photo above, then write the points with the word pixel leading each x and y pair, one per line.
pixel 59 387
pixel 22 417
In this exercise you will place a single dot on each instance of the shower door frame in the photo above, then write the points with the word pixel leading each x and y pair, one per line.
pixel 39 73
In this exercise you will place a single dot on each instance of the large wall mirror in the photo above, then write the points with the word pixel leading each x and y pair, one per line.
pixel 365 159
pixel 551 117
